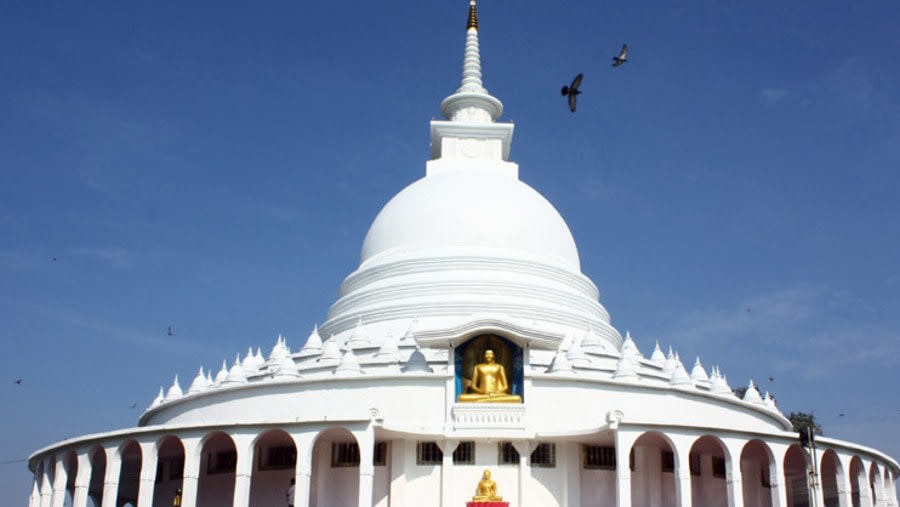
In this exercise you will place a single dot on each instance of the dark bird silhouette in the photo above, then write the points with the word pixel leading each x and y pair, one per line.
pixel 54 259
pixel 622 57
pixel 171 331
pixel 841 414
pixel 771 379
pixel 133 405
pixel 572 91
pixel 18 381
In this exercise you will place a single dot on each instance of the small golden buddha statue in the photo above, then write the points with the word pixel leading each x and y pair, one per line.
pixel 489 383
pixel 487 489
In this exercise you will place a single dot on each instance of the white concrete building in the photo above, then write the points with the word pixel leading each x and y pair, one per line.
pixel 368 411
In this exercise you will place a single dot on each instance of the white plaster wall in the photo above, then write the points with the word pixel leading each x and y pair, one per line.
pixel 416 401
pixel 423 486
pixel 546 487
pixel 706 489
pixel 381 487
pixel 598 488
pixel 214 491
pixel 268 487
pixel 335 487
pixel 584 404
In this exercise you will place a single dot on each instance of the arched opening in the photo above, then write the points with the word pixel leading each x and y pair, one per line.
pixel 708 472
pixel 169 470
pixel 98 472
pixel 218 462
pixel 875 483
pixel 652 461
pixel 275 465
pixel 830 474
pixel 130 473
pixel 756 474
pixel 70 462
pixel 335 469
pixel 505 353
pixel 857 480
pixel 796 476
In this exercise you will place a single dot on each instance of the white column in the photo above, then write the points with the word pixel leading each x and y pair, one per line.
pixel 399 464
pixel 776 475
pixel 113 471
pixel 303 472
pixel 624 441
pixel 191 474
pixel 34 500
pixel 450 390
pixel 46 486
pixel 60 478
pixel 865 491
pixel 243 469
pixel 892 489
pixel 524 449
pixel 815 481
pixel 844 487
pixel 149 458
pixel 366 441
pixel 682 449
pixel 82 479
pixel 571 456
pixel 878 486
pixel 526 368
pixel 447 448
pixel 734 480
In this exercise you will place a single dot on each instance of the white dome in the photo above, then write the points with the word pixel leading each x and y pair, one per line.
pixel 470 242
pixel 473 208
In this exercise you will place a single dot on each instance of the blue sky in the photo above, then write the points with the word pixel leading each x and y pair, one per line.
pixel 733 189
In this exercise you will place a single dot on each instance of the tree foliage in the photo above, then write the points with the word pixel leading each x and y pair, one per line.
pixel 802 420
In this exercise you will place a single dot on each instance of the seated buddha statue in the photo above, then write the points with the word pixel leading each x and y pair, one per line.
pixel 489 384
pixel 487 489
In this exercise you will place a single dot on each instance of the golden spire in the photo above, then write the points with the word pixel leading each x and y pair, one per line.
pixel 473 16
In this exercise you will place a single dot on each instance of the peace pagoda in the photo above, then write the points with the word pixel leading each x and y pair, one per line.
pixel 466 361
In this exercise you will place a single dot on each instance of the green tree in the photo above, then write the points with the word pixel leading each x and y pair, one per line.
pixel 802 420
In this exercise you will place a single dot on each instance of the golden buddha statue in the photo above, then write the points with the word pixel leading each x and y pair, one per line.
pixel 487 489
pixel 488 384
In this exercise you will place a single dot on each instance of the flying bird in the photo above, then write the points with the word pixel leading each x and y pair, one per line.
pixel 171 331
pixel 572 91
pixel 622 57
pixel 18 381
pixel 133 405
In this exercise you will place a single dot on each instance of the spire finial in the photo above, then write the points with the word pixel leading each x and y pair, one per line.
pixel 472 102
pixel 473 16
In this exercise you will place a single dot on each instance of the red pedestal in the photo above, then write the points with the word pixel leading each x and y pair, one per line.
pixel 487 504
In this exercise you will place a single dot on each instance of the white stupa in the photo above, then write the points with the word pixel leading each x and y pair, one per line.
pixel 467 340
